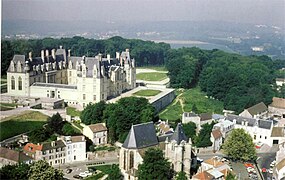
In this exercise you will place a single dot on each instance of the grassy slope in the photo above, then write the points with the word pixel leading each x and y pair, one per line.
pixel 187 98
pixel 72 111
pixel 157 68
pixel 27 121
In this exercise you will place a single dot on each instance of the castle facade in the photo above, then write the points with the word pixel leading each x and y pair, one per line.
pixel 77 80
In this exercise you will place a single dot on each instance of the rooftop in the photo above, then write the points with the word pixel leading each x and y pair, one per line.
pixel 217 134
pixel 99 127
pixel 13 155
pixel 277 132
pixel 30 147
pixel 257 109
pixel 52 145
pixel 141 136
pixel 278 102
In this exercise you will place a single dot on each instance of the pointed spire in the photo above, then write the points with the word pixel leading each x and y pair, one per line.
pixel 178 134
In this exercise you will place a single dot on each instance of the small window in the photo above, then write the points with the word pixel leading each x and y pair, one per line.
pixel 94 97
pixel 20 83
pixel 254 137
pixel 84 96
pixel 265 137
pixel 260 136
pixel 13 83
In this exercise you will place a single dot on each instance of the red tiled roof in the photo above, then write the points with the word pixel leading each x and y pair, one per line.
pixel 217 134
pixel 203 176
pixel 30 147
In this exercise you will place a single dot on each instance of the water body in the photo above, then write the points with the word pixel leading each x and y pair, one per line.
pixel 202 45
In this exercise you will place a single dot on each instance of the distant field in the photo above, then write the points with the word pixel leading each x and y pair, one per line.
pixel 157 68
pixel 151 76
pixel 184 102
pixel 15 125
pixel 147 92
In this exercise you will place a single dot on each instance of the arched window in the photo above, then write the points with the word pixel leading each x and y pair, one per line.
pixel 12 82
pixel 20 83
pixel 125 154
pixel 131 160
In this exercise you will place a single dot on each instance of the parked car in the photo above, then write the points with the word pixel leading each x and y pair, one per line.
pixel 77 176
pixel 88 173
pixel 83 175
pixel 68 171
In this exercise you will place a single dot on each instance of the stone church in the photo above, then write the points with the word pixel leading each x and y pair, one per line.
pixel 176 147
pixel 76 80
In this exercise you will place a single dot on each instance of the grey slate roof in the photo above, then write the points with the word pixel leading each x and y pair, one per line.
pixel 48 145
pixel 205 116
pixel 141 136
pixel 162 138
pixel 178 134
pixel 258 108
pixel 240 119
pixel 265 124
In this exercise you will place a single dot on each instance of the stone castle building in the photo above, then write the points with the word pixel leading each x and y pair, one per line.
pixel 77 80
pixel 176 147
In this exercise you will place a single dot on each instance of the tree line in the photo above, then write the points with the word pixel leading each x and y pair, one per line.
pixel 238 81
pixel 119 116
pixel 144 52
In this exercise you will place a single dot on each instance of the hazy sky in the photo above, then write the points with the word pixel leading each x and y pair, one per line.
pixel 245 11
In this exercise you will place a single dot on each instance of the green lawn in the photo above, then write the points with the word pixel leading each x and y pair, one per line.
pixel 157 68
pixel 105 169
pixel 147 92
pixel 15 125
pixel 72 111
pixel 188 98
pixel 151 76
pixel 7 106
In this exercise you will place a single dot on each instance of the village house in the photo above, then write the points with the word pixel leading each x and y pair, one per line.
pixel 53 152
pixel 280 81
pixel 77 80
pixel 11 157
pixel 199 120
pixel 216 139
pixel 277 107
pixel 97 133
pixel 255 111
pixel 260 130
pixel 225 126
pixel 75 148
pixel 176 147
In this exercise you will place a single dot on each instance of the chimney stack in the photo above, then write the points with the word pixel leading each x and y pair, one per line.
pixel 127 50
pixel 109 58
pixel 30 56
pixel 69 52
pixel 47 53
pixel 53 53
pixel 100 57
pixel 60 47
pixel 43 55
pixel 117 55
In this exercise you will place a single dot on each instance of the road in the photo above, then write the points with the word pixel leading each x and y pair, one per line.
pixel 264 162
pixel 78 167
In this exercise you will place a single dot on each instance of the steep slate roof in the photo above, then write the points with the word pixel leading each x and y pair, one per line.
pixel 240 119
pixel 99 127
pixel 48 145
pixel 141 136
pixel 217 134
pixel 256 109
pixel 278 102
pixel 13 155
pixel 178 134
pixel 205 116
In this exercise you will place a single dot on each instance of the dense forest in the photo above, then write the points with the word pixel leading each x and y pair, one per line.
pixel 238 81
pixel 144 52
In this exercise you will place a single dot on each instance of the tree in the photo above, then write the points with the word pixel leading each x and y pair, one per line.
pixel 181 176
pixel 68 130
pixel 203 139
pixel 17 171
pixel 115 173
pixel 194 108
pixel 55 124
pixel 43 171
pixel 93 113
pixel 154 166
pixel 239 146
pixel 230 176
pixel 127 111
pixel 190 130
